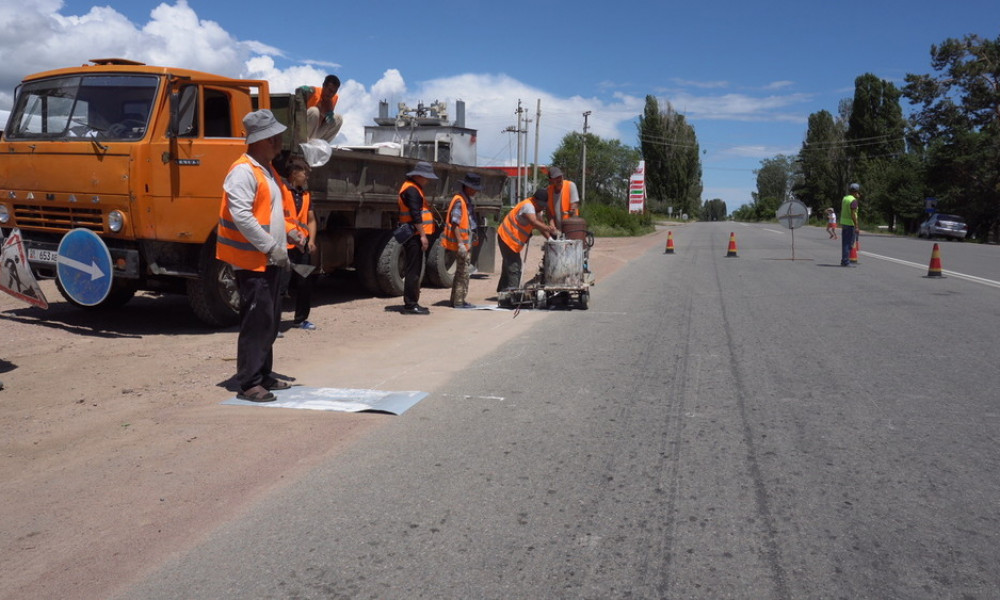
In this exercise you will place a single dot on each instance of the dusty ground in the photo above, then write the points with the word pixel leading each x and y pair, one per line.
pixel 115 452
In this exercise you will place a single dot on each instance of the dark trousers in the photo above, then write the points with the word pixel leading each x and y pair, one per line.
pixel 260 314
pixel 413 254
pixel 846 241
pixel 510 271
pixel 303 286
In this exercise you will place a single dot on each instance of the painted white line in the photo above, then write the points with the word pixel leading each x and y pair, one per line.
pixel 955 274
pixel 774 231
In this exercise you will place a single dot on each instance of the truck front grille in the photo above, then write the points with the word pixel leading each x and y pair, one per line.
pixel 58 218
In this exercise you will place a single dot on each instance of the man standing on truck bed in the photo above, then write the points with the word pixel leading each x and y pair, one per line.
pixel 321 122
pixel 416 212
pixel 252 239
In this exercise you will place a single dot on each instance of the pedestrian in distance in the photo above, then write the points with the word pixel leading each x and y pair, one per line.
pixel 321 121
pixel 459 236
pixel 514 234
pixel 252 239
pixel 300 223
pixel 562 198
pixel 831 223
pixel 415 212
pixel 849 223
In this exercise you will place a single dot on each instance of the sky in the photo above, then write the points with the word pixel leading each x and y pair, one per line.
pixel 745 75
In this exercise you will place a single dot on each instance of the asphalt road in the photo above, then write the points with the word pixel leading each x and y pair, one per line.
pixel 713 427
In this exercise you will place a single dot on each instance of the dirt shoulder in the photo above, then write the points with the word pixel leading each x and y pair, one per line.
pixel 116 454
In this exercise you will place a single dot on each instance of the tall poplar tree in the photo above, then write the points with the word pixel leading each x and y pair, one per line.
pixel 823 163
pixel 673 163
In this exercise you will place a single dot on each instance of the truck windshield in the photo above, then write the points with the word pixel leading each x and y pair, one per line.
pixel 95 106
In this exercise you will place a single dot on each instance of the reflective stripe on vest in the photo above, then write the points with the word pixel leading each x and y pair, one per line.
pixel 454 235
pixel 232 246
pixel 426 217
pixel 295 220
pixel 513 232
pixel 565 202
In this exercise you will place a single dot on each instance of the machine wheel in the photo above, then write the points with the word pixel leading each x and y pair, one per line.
pixel 364 261
pixel 122 290
pixel 214 297
pixel 584 300
pixel 541 301
pixel 439 266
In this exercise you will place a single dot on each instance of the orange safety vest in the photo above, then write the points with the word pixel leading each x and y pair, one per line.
pixel 293 220
pixel 454 235
pixel 567 207
pixel 426 217
pixel 314 99
pixel 513 232
pixel 232 246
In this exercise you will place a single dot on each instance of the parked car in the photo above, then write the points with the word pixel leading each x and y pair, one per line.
pixel 949 226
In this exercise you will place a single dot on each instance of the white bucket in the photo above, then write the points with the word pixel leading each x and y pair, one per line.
pixel 562 264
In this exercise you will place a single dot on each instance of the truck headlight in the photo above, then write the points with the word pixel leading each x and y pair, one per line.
pixel 116 221
pixel 4 214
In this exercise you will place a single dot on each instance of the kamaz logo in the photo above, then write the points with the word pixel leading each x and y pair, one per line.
pixel 188 162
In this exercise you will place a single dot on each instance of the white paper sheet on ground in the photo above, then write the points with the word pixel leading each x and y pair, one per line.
pixel 338 399
pixel 480 307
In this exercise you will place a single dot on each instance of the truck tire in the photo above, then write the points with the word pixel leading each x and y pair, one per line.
pixel 390 265
pixel 121 292
pixel 365 263
pixel 214 297
pixel 440 266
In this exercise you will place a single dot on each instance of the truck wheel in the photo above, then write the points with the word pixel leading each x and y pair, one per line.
pixel 214 297
pixel 390 266
pixel 122 290
pixel 364 261
pixel 440 266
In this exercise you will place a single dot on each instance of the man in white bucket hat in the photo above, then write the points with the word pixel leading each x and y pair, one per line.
pixel 252 239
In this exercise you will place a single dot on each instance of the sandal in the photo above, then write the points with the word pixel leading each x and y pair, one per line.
pixel 257 393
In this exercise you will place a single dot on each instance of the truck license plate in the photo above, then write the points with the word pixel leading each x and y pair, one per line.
pixel 40 255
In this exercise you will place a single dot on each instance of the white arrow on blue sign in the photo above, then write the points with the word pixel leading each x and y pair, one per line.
pixel 83 267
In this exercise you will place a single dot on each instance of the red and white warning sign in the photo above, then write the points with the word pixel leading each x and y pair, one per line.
pixel 15 274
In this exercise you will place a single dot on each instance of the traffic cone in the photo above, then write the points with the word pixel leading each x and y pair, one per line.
pixel 934 270
pixel 732 245
pixel 670 243
pixel 854 251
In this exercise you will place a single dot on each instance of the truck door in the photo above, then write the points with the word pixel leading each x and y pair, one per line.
pixel 190 163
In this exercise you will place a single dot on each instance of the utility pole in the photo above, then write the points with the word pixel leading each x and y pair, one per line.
pixel 583 161
pixel 538 118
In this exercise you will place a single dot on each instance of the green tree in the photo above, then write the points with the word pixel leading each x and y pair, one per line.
pixel 957 129
pixel 609 164
pixel 823 163
pixel 776 178
pixel 875 145
pixel 673 163
pixel 714 210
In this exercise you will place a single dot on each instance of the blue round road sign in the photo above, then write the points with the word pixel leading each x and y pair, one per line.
pixel 84 267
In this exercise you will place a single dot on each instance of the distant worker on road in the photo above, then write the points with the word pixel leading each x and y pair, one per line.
pixel 321 121
pixel 252 239
pixel 460 236
pixel 563 199
pixel 415 211
pixel 849 223
pixel 515 232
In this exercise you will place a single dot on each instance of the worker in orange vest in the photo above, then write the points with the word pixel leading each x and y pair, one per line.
pixel 514 234
pixel 459 236
pixel 415 211
pixel 562 198
pixel 300 224
pixel 321 122
pixel 253 240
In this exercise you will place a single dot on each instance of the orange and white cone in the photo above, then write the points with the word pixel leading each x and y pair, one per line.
pixel 854 251
pixel 934 270
pixel 732 245
pixel 670 243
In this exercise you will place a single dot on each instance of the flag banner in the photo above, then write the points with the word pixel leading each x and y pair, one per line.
pixel 15 274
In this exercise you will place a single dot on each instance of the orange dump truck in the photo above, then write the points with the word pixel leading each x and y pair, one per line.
pixel 137 154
